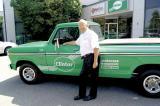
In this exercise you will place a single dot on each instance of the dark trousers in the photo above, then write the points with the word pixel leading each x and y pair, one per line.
pixel 89 76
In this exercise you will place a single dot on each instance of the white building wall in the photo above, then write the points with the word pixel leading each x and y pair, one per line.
pixel 86 13
pixel 9 22
pixel 138 18
pixel 130 5
pixel 136 7
pixel 87 2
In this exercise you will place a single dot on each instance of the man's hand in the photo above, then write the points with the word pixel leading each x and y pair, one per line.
pixel 70 43
pixel 96 53
pixel 65 43
pixel 95 64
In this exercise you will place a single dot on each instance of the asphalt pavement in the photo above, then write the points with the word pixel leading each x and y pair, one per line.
pixel 60 92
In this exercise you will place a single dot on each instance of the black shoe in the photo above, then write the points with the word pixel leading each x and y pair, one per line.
pixel 78 97
pixel 87 98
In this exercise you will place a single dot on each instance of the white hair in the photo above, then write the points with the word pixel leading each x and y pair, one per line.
pixel 83 21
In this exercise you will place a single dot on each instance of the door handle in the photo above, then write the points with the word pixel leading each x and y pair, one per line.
pixel 75 49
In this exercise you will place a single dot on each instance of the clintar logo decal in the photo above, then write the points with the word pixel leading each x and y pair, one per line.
pixel 117 5
pixel 64 64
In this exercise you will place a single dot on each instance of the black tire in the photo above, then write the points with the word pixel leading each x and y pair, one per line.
pixel 35 71
pixel 6 50
pixel 152 76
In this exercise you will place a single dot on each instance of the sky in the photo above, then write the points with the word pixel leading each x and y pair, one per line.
pixel 1 5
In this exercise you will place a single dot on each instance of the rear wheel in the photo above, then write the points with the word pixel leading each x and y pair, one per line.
pixel 150 83
pixel 29 74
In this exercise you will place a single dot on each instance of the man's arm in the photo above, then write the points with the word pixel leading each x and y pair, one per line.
pixel 96 54
pixel 70 43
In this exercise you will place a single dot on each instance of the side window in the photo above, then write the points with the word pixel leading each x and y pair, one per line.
pixel 97 30
pixel 67 34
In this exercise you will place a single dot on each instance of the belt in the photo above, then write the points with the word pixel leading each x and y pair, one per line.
pixel 86 55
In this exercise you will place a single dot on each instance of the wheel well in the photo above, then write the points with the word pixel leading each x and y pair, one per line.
pixel 7 47
pixel 141 69
pixel 19 63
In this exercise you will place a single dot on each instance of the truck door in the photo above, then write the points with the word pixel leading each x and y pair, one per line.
pixel 64 59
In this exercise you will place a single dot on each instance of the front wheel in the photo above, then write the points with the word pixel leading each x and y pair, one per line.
pixel 150 83
pixel 29 73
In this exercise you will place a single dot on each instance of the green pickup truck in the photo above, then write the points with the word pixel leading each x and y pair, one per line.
pixel 137 58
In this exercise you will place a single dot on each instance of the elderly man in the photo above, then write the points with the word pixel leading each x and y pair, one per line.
pixel 89 49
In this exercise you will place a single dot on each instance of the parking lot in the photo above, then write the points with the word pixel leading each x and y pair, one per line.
pixel 60 92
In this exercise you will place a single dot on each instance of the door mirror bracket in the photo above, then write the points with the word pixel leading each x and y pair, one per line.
pixel 56 43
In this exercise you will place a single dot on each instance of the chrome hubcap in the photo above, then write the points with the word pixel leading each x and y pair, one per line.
pixel 152 84
pixel 28 74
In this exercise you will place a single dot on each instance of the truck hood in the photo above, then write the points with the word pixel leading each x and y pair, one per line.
pixel 33 47
pixel 34 44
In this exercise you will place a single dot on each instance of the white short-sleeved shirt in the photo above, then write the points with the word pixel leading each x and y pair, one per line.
pixel 87 42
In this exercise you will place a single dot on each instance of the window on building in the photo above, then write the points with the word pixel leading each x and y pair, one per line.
pixel 97 30
pixel 124 27
pixel 152 18
pixel 118 28
pixel 1 28
pixel 101 21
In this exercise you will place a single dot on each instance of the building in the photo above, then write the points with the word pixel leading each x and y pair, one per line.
pixel 88 2
pixel 118 19
pixel 9 22
pixel 1 25
pixel 1 13
pixel 125 18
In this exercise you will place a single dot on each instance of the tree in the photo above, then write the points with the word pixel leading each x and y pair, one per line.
pixel 40 16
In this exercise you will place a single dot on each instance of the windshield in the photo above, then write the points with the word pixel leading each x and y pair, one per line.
pixel 97 30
